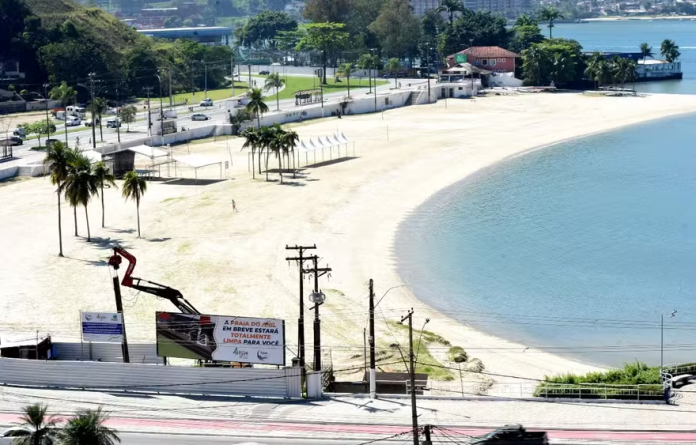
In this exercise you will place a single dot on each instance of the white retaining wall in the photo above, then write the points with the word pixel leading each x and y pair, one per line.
pixel 277 383
pixel 142 353
pixel 9 172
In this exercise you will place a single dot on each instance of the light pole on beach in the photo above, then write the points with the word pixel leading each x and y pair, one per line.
pixel 662 337
pixel 372 50
pixel 371 339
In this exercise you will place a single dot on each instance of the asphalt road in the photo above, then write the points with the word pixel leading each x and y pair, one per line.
pixel 152 439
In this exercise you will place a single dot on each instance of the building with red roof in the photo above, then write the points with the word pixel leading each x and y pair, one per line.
pixel 491 58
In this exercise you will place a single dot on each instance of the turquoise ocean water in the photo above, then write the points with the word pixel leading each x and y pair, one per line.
pixel 576 248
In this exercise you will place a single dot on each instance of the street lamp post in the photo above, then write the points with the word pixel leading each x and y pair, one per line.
pixel 372 50
pixel 427 62
pixel 48 124
pixel 159 79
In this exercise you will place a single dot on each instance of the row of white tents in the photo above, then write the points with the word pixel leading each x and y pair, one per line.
pixel 322 143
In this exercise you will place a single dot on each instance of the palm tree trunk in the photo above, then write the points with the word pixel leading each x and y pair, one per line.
pixel 102 197
pixel 89 236
pixel 277 99
pixel 137 210
pixel 266 165
pixel 550 29
pixel 258 120
pixel 280 166
pixel 348 77
pixel 294 170
pixel 253 167
pixel 101 133
pixel 396 78
pixel 66 131
pixel 60 231
pixel 75 218
pixel 259 162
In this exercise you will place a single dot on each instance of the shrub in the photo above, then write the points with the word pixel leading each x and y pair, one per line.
pixel 457 354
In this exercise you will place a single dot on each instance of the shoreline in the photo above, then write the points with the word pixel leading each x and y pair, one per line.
pixel 234 263
pixel 642 17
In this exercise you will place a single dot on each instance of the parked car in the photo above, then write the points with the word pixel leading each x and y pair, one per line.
pixel 200 117
pixel 72 121
pixel 113 123
pixel 16 140
pixel 264 73
pixel 512 435
pixel 7 436
pixel 207 102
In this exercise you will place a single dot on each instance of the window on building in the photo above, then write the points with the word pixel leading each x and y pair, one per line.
pixel 492 62
pixel 484 61
pixel 503 59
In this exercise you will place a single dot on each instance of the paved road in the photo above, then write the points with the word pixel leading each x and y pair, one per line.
pixel 152 439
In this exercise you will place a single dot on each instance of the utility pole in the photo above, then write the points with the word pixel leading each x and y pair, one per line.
pixel 149 118
pixel 372 52
pixel 428 68
pixel 427 429
pixel 159 79
pixel 119 309
pixel 373 374
pixel 300 322
pixel 205 64
pixel 94 121
pixel 232 72
pixel 414 412
pixel 318 300
pixel 48 124
pixel 118 121
pixel 171 98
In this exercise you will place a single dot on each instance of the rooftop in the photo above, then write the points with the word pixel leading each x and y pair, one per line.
pixel 652 62
pixel 487 52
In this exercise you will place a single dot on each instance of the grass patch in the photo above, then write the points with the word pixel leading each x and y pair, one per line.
pixel 13 180
pixel 426 363
pixel 219 94
pixel 184 247
pixel 457 354
pixel 295 84
pixel 621 383
pixel 174 199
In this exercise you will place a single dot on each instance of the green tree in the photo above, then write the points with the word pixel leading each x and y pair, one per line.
pixel 58 159
pixel 346 69
pixel 128 114
pixel 238 119
pixel 256 105
pixel 290 139
pixel 535 60
pixel 480 28
pixel 393 66
pixel 40 427
pixel 40 127
pixel 274 81
pixel 525 33
pixel 397 29
pixel 134 187
pixel 541 65
pixel 593 63
pixel 669 50
pixel 173 22
pixel 265 27
pixel 97 108
pixel 450 7
pixel 322 11
pixel 328 38
pixel 65 94
pixel 104 179
pixel 646 51
pixel 88 427
pixel 368 62
pixel 278 147
pixel 267 137
pixel 525 20
pixel 361 15
pixel 81 185
pixel 432 24
pixel 550 14
pixel 252 141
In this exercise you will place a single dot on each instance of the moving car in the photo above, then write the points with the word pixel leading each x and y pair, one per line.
pixel 264 73
pixel 113 123
pixel 200 117
pixel 207 103
pixel 512 435
pixel 72 121
pixel 11 141
pixel 89 122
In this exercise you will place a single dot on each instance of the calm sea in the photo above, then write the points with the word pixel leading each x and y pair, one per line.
pixel 628 35
pixel 576 248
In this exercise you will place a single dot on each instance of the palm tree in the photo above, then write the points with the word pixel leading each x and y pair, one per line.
pixel 646 51
pixel 550 14
pixel 290 139
pixel 602 73
pixel 669 50
pixel 534 61
pixel 58 159
pixel 104 179
pixel 256 105
pixel 346 69
pixel 87 428
pixel 40 428
pixel 525 20
pixel 134 187
pixel 64 94
pixel 368 62
pixel 559 65
pixel 251 136
pixel 393 66
pixel 450 6
pixel 97 108
pixel 277 146
pixel 81 185
pixel 592 65
pixel 266 138
pixel 274 81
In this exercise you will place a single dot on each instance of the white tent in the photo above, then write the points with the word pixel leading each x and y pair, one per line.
pixel 197 161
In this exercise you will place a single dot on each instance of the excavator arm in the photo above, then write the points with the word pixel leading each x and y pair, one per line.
pixel 150 287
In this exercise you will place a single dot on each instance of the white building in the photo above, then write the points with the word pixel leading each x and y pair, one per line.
pixel 658 69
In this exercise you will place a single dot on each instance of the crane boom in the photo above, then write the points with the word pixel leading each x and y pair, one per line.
pixel 150 287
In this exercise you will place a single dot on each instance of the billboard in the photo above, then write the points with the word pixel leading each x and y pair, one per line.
pixel 221 338
pixel 105 327
pixel 460 58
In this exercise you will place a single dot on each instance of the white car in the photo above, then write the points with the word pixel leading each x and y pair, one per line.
pixel 207 103
pixel 72 121
pixel 200 117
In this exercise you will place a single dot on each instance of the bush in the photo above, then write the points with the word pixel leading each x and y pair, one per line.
pixel 457 354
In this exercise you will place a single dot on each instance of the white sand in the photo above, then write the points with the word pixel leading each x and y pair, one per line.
pixel 234 263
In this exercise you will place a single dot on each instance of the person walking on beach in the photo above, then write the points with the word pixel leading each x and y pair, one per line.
pixel 234 206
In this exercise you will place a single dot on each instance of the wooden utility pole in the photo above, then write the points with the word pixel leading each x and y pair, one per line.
pixel 414 412
pixel 317 272
pixel 300 322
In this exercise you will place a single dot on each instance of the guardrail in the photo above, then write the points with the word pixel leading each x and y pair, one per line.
pixel 599 391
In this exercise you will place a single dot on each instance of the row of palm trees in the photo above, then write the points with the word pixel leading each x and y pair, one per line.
pixel 86 427
pixel 78 180
pixel 668 49
pixel 267 140
pixel 617 70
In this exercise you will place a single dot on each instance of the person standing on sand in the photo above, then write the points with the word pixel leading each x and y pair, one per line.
pixel 234 206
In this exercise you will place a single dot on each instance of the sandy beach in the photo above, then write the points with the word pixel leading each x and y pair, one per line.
pixel 234 263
